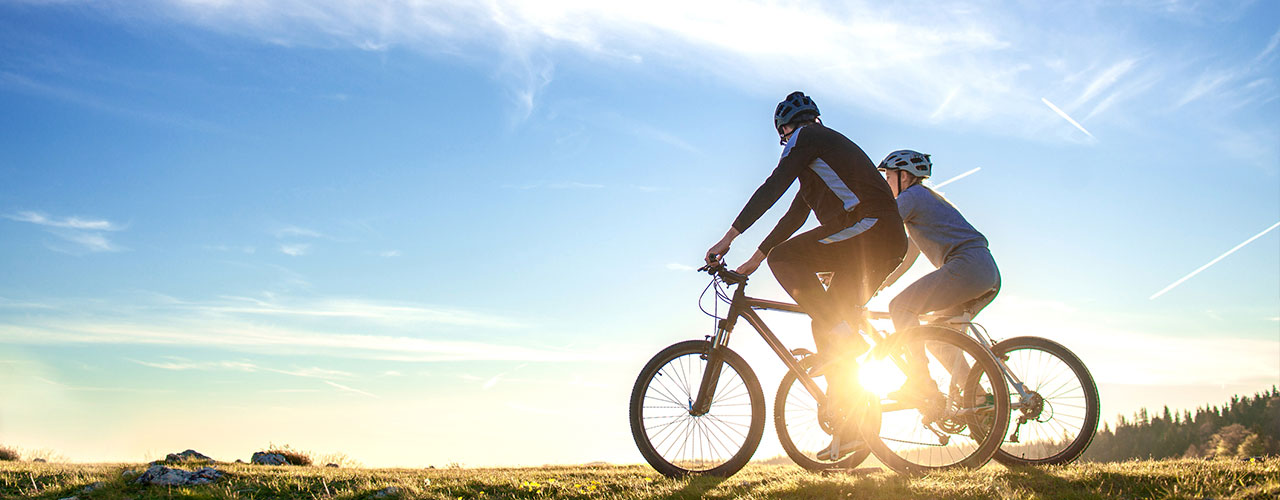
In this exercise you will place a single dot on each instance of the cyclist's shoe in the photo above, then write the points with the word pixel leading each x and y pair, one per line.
pixel 840 448
pixel 917 387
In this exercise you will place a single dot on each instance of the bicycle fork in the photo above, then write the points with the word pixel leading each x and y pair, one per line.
pixel 711 376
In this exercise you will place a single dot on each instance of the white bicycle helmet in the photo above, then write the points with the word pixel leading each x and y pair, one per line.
pixel 909 161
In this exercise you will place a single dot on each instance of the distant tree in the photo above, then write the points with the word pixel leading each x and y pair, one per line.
pixel 1226 443
pixel 1252 446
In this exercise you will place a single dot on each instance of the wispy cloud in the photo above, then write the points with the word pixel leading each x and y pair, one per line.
pixel 243 366
pixel 332 328
pixel 297 232
pixel 349 389
pixel 73 222
pixel 1105 80
pixel 295 249
pixel 91 388
pixel 87 234
pixel 562 185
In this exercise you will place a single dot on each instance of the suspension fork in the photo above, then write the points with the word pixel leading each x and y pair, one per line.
pixel 715 357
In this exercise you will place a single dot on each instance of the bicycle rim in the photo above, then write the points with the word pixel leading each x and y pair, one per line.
pixel 676 442
pixel 1062 415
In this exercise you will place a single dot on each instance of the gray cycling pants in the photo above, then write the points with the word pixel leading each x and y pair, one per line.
pixel 949 290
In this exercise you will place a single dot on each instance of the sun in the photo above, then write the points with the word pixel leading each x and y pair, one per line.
pixel 880 376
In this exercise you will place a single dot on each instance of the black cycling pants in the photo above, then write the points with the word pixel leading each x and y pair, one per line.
pixel 859 257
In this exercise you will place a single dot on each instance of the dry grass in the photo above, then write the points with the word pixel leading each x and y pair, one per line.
pixel 1171 479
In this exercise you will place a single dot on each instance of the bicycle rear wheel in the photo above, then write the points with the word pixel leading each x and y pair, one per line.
pixel 958 423
pixel 804 432
pixel 1058 421
pixel 674 440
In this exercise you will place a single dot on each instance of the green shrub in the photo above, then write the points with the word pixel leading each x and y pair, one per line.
pixel 8 454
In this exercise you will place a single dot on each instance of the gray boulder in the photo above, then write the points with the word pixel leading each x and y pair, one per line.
pixel 164 476
pixel 186 456
pixel 264 458
pixel 335 466
pixel 39 460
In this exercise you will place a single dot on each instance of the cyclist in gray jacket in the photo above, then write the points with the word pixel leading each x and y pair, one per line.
pixel 966 278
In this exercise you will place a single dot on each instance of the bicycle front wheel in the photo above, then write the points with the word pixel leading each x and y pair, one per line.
pixel 676 441
pixel 1056 422
pixel 959 422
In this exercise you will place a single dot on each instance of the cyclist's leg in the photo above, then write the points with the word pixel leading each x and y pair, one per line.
pixel 856 258
pixel 966 276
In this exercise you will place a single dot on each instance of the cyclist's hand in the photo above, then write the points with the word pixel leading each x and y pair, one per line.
pixel 716 252
pixel 751 264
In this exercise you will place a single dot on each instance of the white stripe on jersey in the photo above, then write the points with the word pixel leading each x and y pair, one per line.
pixel 860 227
pixel 835 184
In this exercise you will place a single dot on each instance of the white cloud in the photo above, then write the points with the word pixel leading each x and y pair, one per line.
pixel 1105 80
pixel 243 366
pixel 72 222
pixel 348 389
pixel 86 234
pixel 295 250
pixel 953 63
pixel 297 232
pixel 334 328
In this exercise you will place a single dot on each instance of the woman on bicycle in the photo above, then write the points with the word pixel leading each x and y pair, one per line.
pixel 967 278
pixel 860 237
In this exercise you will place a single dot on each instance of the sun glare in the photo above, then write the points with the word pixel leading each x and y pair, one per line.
pixel 880 376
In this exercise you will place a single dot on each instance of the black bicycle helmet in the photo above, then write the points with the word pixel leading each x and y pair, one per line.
pixel 795 104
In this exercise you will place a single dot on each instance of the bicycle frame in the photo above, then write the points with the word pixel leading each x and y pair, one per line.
pixel 745 307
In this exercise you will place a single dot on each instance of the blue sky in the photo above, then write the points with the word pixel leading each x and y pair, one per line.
pixel 418 233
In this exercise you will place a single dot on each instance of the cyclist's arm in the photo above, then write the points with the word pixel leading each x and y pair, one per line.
pixel 790 222
pixel 913 252
pixel 797 154
pixel 795 217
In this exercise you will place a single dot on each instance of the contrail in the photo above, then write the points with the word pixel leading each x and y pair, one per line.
pixel 1065 116
pixel 956 178
pixel 1214 261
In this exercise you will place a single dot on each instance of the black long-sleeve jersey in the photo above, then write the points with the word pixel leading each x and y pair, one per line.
pixel 838 182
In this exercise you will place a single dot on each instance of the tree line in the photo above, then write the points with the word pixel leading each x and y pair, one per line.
pixel 1245 427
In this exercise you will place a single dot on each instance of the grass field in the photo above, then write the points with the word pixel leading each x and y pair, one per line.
pixel 1138 479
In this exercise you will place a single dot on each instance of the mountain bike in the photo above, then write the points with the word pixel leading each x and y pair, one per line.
pixel 697 406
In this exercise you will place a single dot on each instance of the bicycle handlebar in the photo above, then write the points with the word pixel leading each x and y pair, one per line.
pixel 718 269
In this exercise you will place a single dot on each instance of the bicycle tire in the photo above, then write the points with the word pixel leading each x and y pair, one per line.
pixel 931 435
pixel 801 431
pixel 723 441
pixel 1070 396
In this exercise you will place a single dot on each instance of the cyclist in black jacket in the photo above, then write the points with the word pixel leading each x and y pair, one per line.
pixel 860 237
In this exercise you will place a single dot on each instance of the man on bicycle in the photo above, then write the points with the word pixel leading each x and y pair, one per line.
pixel 860 239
